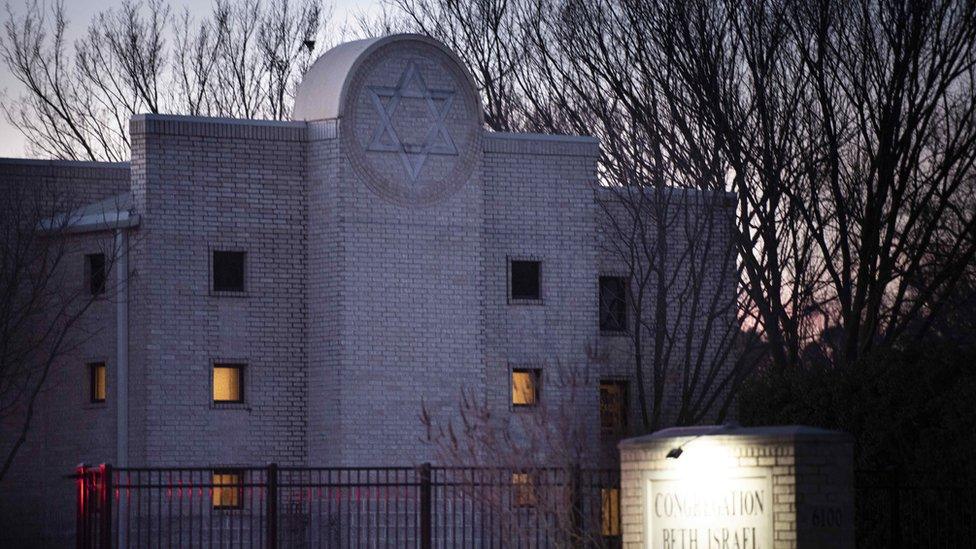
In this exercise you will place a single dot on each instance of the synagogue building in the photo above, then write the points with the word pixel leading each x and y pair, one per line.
pixel 296 292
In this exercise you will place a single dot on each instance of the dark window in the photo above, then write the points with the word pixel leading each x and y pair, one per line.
pixel 526 279
pixel 613 407
pixel 228 383
pixel 95 265
pixel 97 381
pixel 613 303
pixel 228 271
pixel 525 387
pixel 228 488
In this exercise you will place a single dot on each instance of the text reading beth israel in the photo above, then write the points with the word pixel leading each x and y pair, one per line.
pixel 731 514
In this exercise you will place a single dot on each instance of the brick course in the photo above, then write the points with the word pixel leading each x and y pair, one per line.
pixel 357 308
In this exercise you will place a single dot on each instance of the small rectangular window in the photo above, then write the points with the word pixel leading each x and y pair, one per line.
pixel 613 303
pixel 523 490
pixel 228 383
pixel 95 267
pixel 526 280
pixel 228 271
pixel 525 387
pixel 610 512
pixel 228 488
pixel 613 407
pixel 97 381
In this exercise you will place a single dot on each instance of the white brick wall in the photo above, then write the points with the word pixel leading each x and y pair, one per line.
pixel 357 309
pixel 67 428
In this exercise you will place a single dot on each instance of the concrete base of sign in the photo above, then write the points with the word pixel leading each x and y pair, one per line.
pixel 730 487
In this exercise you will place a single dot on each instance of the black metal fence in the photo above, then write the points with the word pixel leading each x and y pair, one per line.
pixel 912 509
pixel 347 507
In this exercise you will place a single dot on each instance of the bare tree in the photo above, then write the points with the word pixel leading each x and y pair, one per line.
pixel 244 60
pixel 844 131
pixel 485 35
pixel 529 470
pixel 41 312
pixel 586 68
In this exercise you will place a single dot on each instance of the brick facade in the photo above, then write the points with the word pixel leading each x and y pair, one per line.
pixel 362 300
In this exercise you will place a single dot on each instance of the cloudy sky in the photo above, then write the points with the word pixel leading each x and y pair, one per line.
pixel 80 12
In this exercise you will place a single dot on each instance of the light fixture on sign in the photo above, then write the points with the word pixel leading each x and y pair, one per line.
pixel 675 453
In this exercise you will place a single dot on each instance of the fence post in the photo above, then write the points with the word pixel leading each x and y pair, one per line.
pixel 576 517
pixel 81 534
pixel 271 513
pixel 426 507
pixel 105 507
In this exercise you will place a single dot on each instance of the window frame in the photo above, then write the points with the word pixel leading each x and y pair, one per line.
pixel 536 374
pixel 610 518
pixel 241 367
pixel 90 273
pixel 622 430
pixel 245 271
pixel 625 324
pixel 92 367
pixel 237 486
pixel 525 494
pixel 512 300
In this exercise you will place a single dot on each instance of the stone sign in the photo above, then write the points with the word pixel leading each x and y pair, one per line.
pixel 728 487
pixel 736 512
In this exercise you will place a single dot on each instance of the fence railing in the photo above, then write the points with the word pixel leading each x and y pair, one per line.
pixel 271 507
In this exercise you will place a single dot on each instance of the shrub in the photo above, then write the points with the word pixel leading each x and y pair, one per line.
pixel 907 409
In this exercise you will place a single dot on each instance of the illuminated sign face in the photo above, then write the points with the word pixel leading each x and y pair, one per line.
pixel 729 513
pixel 730 487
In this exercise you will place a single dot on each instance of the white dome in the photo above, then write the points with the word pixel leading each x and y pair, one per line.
pixel 411 119
pixel 321 95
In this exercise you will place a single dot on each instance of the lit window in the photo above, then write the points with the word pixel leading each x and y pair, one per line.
pixel 228 486
pixel 610 511
pixel 96 381
pixel 525 387
pixel 523 490
pixel 95 269
pixel 613 303
pixel 613 407
pixel 228 271
pixel 525 277
pixel 228 383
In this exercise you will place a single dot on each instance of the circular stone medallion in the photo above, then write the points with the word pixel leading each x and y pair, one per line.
pixel 412 122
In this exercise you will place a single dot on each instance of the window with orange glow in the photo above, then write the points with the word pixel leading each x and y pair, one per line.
pixel 97 381
pixel 525 387
pixel 523 490
pixel 228 487
pixel 610 511
pixel 228 383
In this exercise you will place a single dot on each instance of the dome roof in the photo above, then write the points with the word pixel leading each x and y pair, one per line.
pixel 322 93
pixel 411 118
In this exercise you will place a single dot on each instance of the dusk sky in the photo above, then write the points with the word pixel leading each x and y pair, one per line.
pixel 80 13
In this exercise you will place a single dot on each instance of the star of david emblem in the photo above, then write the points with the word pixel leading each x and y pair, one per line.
pixel 437 140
